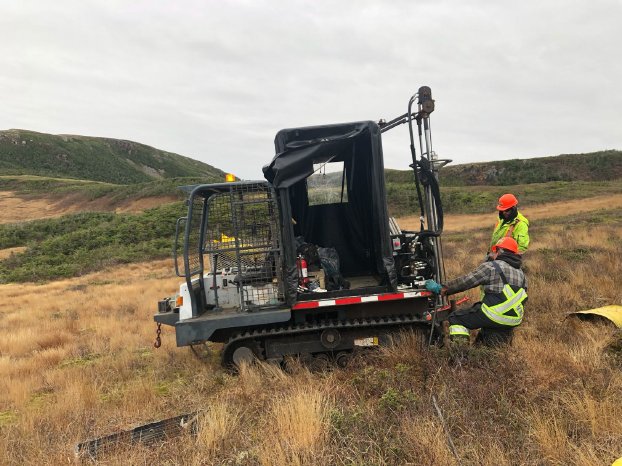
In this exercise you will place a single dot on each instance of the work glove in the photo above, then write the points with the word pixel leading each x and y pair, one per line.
pixel 432 286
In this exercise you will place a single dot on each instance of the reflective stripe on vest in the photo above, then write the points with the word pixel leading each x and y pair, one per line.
pixel 511 229
pixel 514 301
pixel 458 330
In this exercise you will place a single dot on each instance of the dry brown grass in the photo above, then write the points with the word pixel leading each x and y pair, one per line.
pixel 20 209
pixel 216 428
pixel 16 208
pixel 296 427
pixel 77 362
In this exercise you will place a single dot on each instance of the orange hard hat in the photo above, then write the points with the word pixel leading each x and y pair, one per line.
pixel 507 201
pixel 507 242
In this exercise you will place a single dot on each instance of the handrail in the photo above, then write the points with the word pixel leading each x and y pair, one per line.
pixel 179 220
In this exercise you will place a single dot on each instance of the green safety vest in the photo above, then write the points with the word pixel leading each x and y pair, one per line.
pixel 514 301
pixel 517 229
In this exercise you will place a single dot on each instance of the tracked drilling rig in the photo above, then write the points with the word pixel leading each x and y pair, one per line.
pixel 308 262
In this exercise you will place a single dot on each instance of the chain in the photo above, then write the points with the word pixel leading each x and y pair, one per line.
pixel 158 341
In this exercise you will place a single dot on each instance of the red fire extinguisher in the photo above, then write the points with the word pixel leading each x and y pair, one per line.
pixel 303 274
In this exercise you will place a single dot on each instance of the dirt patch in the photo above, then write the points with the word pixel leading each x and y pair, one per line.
pixel 554 209
pixel 16 208
pixel 6 253
pixel 138 205
pixel 20 209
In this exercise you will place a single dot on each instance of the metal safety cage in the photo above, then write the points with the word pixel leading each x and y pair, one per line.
pixel 232 231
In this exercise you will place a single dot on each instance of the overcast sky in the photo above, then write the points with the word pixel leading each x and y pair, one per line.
pixel 215 80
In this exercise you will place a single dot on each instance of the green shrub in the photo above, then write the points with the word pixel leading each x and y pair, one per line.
pixel 80 243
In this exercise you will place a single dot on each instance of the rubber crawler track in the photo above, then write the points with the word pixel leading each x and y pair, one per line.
pixel 256 337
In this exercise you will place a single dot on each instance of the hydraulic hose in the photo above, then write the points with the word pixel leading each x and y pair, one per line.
pixel 428 179
pixel 418 185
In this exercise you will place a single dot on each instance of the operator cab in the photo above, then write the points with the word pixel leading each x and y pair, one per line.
pixel 330 181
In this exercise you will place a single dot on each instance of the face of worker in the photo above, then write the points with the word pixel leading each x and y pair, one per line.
pixel 506 213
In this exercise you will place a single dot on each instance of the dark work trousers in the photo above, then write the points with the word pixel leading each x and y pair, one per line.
pixel 491 333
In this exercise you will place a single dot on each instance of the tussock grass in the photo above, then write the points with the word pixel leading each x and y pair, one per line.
pixel 296 427
pixel 216 428
pixel 77 362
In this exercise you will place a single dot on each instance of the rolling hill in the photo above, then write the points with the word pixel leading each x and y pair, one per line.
pixel 91 158
pixel 594 166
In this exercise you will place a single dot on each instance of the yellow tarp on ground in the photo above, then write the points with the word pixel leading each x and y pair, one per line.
pixel 613 313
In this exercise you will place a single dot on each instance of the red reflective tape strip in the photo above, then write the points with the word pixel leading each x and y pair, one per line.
pixel 390 297
pixel 306 305
pixel 352 300
pixel 360 299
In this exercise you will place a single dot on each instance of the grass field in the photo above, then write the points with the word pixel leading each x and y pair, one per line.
pixel 599 204
pixel 77 362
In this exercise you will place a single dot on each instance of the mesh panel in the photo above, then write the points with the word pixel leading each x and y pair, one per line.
pixel 241 235
pixel 219 241
pixel 193 227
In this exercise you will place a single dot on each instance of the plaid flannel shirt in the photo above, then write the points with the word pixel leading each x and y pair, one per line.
pixel 487 276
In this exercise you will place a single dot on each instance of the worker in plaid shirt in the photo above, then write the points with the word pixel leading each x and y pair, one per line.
pixel 505 292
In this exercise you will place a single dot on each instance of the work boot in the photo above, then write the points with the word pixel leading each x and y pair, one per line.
pixel 459 349
pixel 474 336
pixel 460 341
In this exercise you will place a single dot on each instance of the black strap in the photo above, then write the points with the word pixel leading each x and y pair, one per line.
pixel 503 277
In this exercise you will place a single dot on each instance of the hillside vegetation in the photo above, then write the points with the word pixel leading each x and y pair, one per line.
pixel 81 242
pixel 594 166
pixel 402 197
pixel 75 244
pixel 90 235
pixel 90 158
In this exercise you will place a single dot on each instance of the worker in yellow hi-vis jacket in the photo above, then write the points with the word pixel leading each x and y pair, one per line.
pixel 511 223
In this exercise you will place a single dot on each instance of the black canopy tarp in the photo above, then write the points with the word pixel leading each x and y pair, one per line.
pixel 358 228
